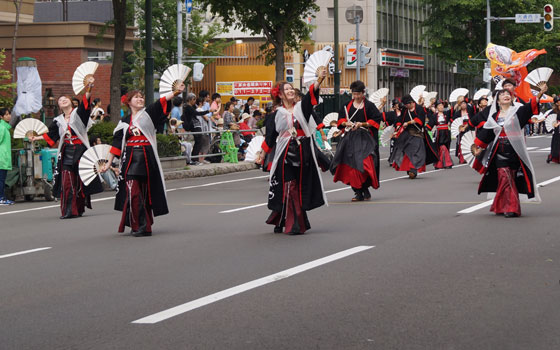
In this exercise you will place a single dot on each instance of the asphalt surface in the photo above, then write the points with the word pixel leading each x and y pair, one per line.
pixel 427 277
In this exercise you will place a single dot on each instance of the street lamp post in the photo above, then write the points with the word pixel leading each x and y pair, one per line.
pixel 336 56
pixel 488 38
pixel 149 61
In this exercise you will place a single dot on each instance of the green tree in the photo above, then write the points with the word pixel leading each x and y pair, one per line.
pixel 281 22
pixel 120 21
pixel 6 97
pixel 456 29
pixel 201 40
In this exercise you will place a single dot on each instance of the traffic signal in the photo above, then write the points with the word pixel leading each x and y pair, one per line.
pixel 289 74
pixel 197 71
pixel 548 16
pixel 364 60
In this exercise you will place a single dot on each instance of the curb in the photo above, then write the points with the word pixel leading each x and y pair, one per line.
pixel 209 170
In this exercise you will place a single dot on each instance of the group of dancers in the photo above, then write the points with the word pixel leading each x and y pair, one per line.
pixel 141 191
pixel 295 182
pixel 499 147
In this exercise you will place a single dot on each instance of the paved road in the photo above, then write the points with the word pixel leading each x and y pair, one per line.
pixel 404 271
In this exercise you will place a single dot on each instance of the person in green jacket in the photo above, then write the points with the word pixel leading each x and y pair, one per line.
pixel 5 152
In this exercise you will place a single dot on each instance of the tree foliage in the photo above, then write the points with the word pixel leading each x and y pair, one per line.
pixel 457 28
pixel 201 40
pixel 281 22
pixel 6 98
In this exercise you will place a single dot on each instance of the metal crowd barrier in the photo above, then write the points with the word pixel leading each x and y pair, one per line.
pixel 229 151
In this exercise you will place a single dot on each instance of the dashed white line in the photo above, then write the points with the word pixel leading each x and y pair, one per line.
pixel 24 252
pixel 212 298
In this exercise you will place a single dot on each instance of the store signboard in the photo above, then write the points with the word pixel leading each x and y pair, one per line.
pixel 400 72
pixel 244 88
pixel 391 59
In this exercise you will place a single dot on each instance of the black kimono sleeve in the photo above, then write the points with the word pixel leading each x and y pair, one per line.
pixel 374 117
pixel 84 110
pixel 341 117
pixel 432 120
pixel 117 143
pixel 310 100
pixel 271 133
pixel 527 111
pixel 390 118
pixel 158 112
pixel 52 135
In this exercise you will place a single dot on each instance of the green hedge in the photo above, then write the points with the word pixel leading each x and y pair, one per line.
pixel 104 131
pixel 168 145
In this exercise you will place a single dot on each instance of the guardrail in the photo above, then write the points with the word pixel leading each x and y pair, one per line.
pixel 226 144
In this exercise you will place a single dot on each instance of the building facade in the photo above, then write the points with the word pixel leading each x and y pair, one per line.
pixel 400 57
pixel 58 46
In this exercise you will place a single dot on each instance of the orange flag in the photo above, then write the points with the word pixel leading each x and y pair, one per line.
pixel 507 63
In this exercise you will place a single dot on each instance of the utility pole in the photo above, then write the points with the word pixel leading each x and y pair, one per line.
pixel 336 56
pixel 149 61
pixel 488 38
pixel 179 31
pixel 358 46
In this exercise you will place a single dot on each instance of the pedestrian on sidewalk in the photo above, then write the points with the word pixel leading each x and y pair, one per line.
pixel 5 152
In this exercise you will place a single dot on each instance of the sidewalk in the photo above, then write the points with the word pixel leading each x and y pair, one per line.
pixel 207 170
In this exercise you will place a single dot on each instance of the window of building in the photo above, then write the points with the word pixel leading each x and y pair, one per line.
pixel 100 55
pixel 330 12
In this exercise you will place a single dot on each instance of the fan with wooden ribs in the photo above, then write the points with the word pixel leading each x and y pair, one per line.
pixel 82 75
pixel 172 78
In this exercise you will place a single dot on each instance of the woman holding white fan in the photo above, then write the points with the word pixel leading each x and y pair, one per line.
pixel 141 189
pixel 69 130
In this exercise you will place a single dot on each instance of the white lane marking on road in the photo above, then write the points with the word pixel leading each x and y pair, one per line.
pixel 112 197
pixel 243 208
pixel 330 191
pixel 488 203
pixel 475 207
pixel 548 182
pixel 24 252
pixel 212 298
pixel 531 148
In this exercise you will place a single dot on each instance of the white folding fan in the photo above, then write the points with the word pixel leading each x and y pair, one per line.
pixel 386 135
pixel 481 93
pixel 417 92
pixel 172 77
pixel 550 119
pixel 92 159
pixel 455 127
pixel 82 73
pixel 316 62
pixel 466 142
pixel 538 76
pixel 330 118
pixel 378 95
pixel 456 93
pixel 254 148
pixel 429 97
pixel 330 135
pixel 28 127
